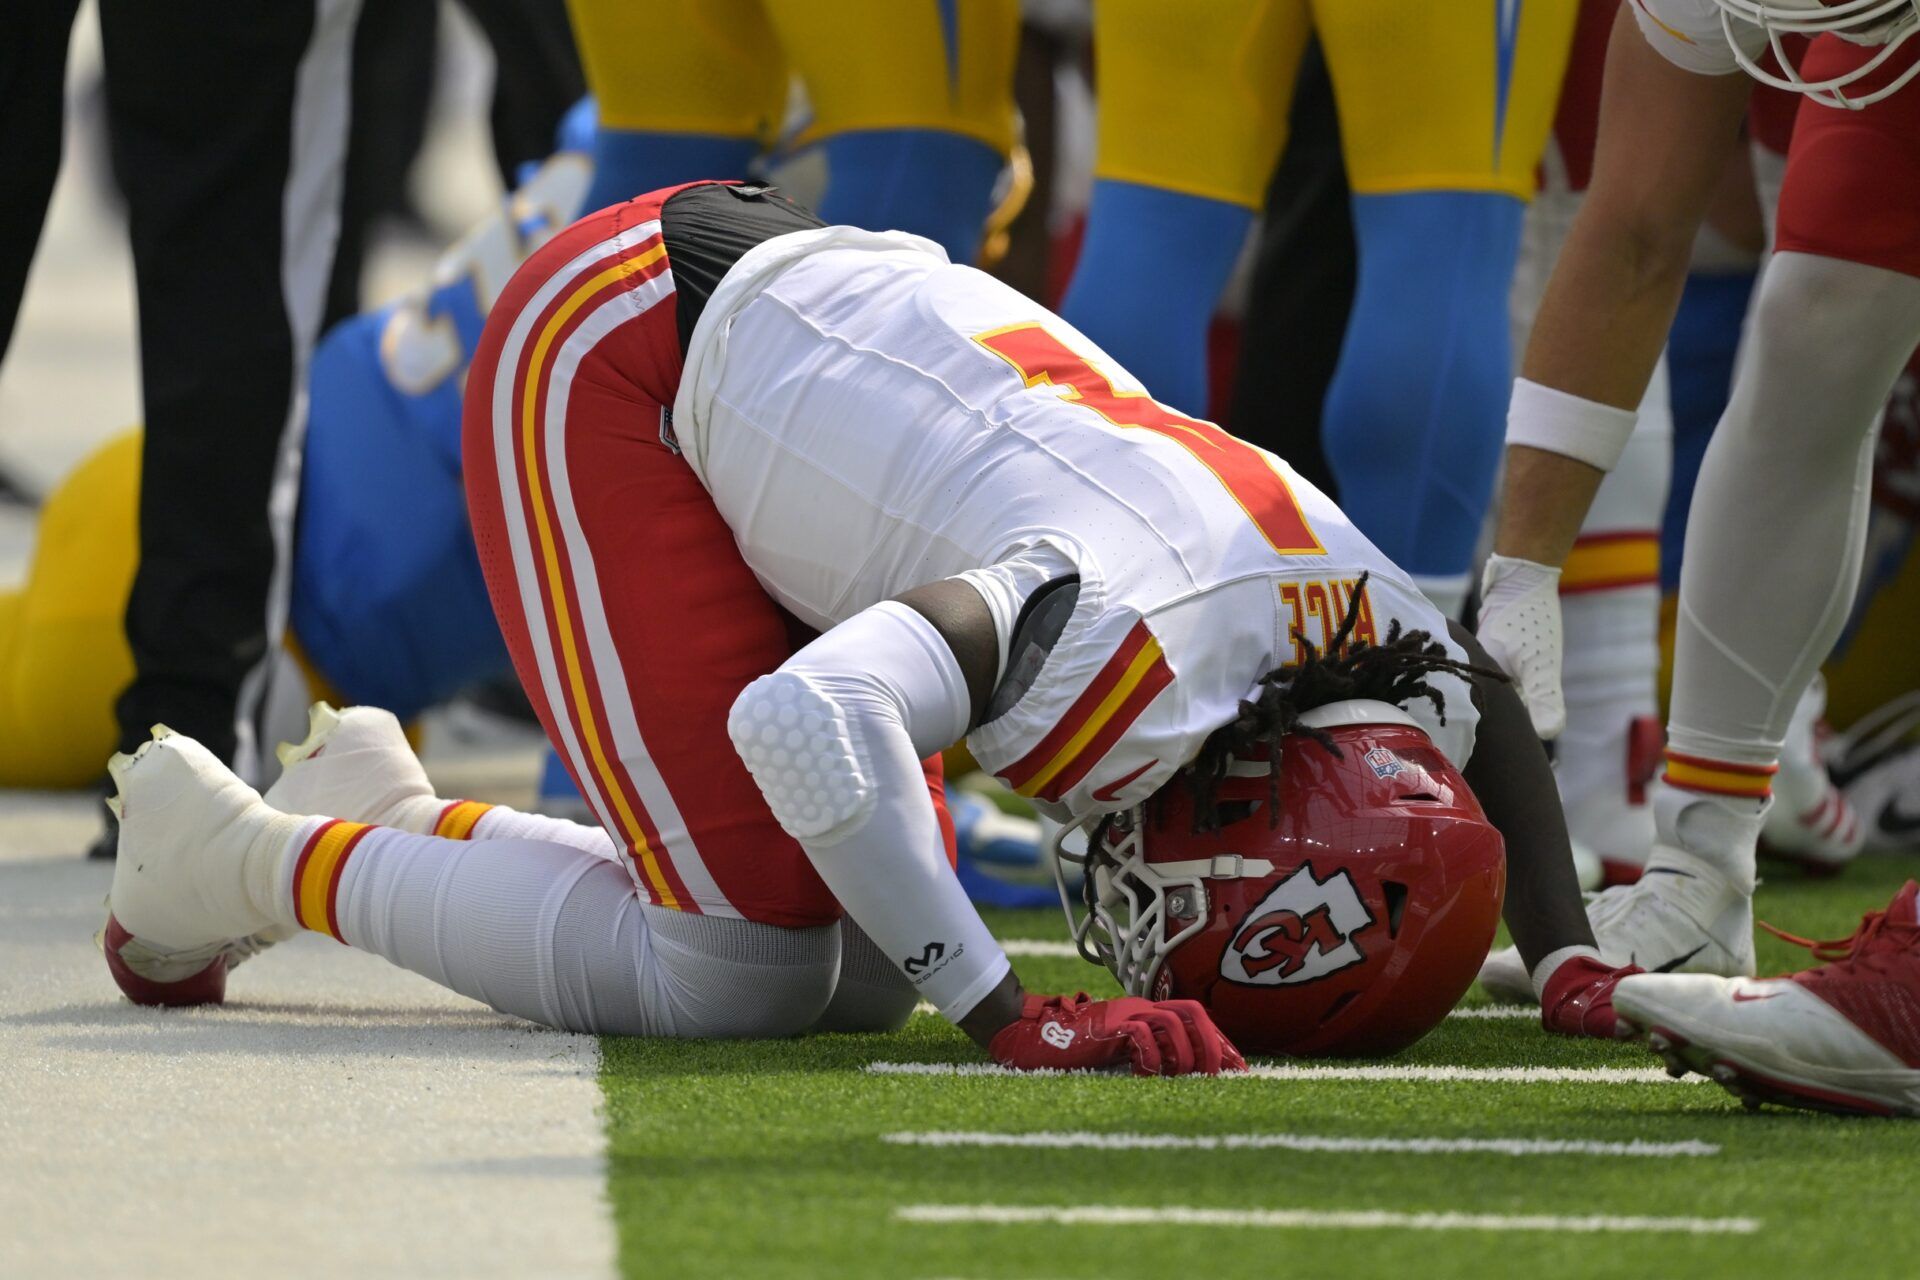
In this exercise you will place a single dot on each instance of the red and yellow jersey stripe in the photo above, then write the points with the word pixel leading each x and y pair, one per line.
pixel 316 876
pixel 1131 679
pixel 457 820
pixel 1720 777
pixel 1611 561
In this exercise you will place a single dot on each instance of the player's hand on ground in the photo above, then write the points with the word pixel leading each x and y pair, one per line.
pixel 1152 1037
pixel 1520 627
pixel 1578 999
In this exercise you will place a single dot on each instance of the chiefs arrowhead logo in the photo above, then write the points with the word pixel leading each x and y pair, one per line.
pixel 1301 931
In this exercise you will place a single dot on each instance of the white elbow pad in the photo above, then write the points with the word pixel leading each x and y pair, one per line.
pixel 797 744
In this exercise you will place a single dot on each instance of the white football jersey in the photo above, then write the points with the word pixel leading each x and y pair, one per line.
pixel 870 418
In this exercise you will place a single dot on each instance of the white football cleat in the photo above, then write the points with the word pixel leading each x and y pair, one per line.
pixel 1877 764
pixel 1682 916
pixel 1810 821
pixel 181 912
pixel 355 764
pixel 1504 976
pixel 1844 1037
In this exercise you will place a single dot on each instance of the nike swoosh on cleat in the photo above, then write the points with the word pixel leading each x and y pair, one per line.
pixel 1896 823
pixel 1667 871
pixel 1677 961
pixel 1741 997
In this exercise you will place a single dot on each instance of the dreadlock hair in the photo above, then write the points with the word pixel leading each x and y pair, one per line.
pixel 1393 671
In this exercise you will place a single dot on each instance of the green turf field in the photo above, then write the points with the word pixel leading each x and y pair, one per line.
pixel 788 1159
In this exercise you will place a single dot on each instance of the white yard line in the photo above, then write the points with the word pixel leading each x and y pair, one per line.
pixel 1485 1075
pixel 1501 1012
pixel 1058 1141
pixel 1322 1219
pixel 338 1118
pixel 1039 947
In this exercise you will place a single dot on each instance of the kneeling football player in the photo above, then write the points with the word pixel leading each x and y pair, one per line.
pixel 771 512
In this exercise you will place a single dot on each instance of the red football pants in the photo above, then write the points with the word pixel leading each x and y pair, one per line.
pixel 632 620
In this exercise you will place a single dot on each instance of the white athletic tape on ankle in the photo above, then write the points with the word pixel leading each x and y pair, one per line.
pixel 1541 417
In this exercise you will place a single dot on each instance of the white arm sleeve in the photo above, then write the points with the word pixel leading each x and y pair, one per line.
pixel 1689 34
pixel 835 739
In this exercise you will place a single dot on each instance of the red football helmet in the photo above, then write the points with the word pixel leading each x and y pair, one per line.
pixel 1349 927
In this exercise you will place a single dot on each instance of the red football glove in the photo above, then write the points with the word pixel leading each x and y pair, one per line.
pixel 1157 1038
pixel 1578 1000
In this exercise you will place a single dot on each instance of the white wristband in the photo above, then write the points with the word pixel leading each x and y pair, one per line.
pixel 1585 430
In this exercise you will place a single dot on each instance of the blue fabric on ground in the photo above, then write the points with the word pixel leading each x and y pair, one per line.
pixel 387 597
pixel 1151 271
pixel 1416 416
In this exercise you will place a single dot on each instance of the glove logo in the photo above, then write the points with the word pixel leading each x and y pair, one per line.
pixel 1300 932
pixel 929 956
pixel 1056 1035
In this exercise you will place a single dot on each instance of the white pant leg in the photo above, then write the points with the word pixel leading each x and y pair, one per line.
pixel 1778 522
pixel 560 936
pixel 502 823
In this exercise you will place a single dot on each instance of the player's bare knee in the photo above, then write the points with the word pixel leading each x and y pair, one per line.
pixel 803 750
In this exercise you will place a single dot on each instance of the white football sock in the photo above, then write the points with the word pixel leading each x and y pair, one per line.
pixel 557 935
pixel 1775 535
pixel 1610 607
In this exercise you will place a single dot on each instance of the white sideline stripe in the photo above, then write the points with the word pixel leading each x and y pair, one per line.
pixel 1304 1142
pixel 1500 1011
pixel 1038 947
pixel 1484 1075
pixel 1314 1219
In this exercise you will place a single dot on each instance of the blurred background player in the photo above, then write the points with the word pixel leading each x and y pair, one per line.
pixel 910 102
pixel 1443 114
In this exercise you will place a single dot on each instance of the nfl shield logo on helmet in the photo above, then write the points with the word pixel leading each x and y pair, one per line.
pixel 1384 763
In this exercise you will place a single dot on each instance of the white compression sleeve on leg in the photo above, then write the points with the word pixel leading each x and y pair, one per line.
pixel 835 738
pixel 1778 524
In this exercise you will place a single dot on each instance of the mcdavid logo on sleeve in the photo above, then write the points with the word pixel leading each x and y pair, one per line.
pixel 1301 931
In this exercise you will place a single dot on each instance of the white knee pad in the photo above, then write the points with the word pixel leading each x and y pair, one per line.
pixel 798 745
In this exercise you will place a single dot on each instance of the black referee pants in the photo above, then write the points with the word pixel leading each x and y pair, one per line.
pixel 229 124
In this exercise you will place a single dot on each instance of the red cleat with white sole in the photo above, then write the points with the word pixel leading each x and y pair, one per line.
pixel 1843 1037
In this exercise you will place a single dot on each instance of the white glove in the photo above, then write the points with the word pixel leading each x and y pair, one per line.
pixel 1520 627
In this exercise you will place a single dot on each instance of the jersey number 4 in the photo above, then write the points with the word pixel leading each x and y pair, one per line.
pixel 1243 471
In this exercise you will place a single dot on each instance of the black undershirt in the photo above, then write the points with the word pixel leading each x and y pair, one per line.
pixel 709 227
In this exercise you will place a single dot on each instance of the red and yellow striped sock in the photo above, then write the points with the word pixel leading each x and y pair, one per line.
pixel 1610 561
pixel 316 876
pixel 1720 777
pixel 457 820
